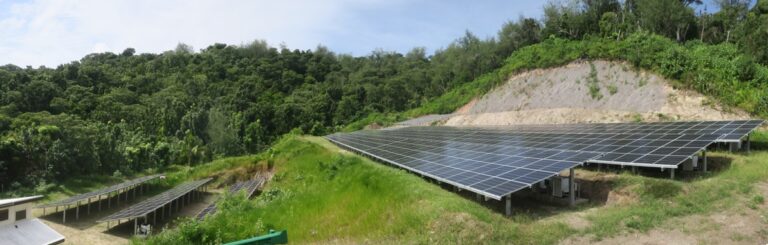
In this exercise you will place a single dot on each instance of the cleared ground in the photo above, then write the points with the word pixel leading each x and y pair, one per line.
pixel 581 92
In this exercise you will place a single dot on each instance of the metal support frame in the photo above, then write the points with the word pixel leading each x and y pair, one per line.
pixel 672 173
pixel 747 144
pixel 571 189
pixel 508 206
pixel 704 158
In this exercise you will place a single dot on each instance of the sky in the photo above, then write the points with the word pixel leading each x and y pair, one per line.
pixel 52 32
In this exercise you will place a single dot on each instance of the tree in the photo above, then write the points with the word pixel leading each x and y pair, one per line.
pixel 515 35
pixel 128 52
pixel 672 19
pixel 731 13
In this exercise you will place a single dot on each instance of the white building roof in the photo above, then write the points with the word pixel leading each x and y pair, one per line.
pixel 29 231
pixel 20 200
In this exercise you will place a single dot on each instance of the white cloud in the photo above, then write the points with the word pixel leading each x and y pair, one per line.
pixel 51 32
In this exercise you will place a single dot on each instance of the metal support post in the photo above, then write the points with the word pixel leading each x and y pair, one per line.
pixel 571 189
pixel 88 208
pixel 746 144
pixel 64 219
pixel 508 208
pixel 77 211
pixel 672 173
pixel 704 163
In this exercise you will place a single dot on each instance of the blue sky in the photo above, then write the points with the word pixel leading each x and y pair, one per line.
pixel 52 32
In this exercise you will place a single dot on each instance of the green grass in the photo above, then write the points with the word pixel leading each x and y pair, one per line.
pixel 319 194
pixel 322 195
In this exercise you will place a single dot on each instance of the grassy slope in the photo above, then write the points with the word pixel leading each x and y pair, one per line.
pixel 320 194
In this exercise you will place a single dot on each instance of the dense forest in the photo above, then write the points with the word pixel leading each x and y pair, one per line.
pixel 115 114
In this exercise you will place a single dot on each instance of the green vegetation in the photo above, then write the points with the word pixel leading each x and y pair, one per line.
pixel 129 112
pixel 593 83
pixel 313 180
pixel 612 89
pixel 705 68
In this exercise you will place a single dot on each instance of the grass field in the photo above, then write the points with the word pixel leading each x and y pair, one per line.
pixel 321 194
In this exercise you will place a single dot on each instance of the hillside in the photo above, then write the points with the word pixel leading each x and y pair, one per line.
pixel 589 91
pixel 322 194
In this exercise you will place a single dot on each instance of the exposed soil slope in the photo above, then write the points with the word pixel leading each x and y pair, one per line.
pixel 583 91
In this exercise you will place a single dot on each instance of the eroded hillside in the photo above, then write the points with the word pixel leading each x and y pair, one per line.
pixel 589 91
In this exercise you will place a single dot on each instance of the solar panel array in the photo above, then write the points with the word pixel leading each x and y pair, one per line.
pixel 728 130
pixel 497 161
pixel 249 187
pixel 151 204
pixel 650 150
pixel 491 170
pixel 80 197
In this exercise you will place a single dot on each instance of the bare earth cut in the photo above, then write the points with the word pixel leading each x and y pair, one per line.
pixel 582 92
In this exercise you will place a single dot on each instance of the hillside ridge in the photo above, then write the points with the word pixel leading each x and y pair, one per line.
pixel 586 92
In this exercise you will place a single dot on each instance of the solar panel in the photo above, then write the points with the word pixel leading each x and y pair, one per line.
pixel 729 130
pixel 80 197
pixel 664 150
pixel 492 170
pixel 210 210
pixel 153 203
pixel 249 187
pixel 496 161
